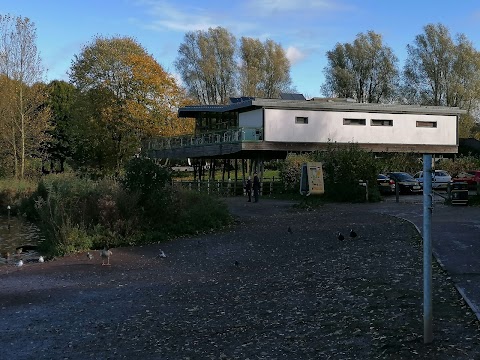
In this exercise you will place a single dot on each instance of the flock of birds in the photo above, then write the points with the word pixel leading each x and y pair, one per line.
pixel 106 253
pixel 352 235
pixel 15 260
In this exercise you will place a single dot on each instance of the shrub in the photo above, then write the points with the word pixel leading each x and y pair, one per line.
pixel 290 170
pixel 343 168
pixel 459 164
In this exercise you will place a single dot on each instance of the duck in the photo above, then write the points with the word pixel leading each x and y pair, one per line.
pixel 340 236
pixel 105 254
pixel 161 254
pixel 352 234
pixel 89 256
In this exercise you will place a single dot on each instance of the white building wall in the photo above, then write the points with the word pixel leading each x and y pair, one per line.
pixel 251 119
pixel 325 126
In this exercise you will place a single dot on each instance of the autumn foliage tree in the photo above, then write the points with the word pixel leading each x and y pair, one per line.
pixel 124 97
pixel 264 68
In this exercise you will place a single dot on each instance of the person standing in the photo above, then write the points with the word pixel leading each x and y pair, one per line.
pixel 256 186
pixel 248 189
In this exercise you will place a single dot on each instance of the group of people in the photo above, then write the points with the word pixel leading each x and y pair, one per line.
pixel 255 186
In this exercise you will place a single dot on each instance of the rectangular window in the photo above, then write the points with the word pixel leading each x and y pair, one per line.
pixel 301 120
pixel 354 121
pixel 379 122
pixel 427 124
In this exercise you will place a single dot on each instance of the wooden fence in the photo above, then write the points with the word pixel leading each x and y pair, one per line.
pixel 269 186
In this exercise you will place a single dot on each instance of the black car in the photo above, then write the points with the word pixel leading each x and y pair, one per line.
pixel 385 184
pixel 406 183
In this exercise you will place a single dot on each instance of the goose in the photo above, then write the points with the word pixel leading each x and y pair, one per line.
pixel 105 254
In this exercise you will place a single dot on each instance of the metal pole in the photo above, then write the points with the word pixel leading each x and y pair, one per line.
pixel 8 210
pixel 397 191
pixel 427 249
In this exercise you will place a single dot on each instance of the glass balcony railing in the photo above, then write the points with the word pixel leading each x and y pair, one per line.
pixel 243 134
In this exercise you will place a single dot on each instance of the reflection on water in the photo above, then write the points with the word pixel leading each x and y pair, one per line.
pixel 21 233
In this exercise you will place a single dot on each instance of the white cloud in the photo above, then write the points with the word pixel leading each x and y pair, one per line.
pixel 184 17
pixel 295 55
pixel 270 6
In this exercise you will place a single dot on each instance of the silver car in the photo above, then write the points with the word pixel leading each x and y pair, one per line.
pixel 440 179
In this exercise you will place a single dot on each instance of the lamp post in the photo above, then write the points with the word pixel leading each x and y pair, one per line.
pixel 8 212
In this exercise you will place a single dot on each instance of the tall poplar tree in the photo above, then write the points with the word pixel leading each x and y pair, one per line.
pixel 206 63
pixel 365 70
pixel 23 117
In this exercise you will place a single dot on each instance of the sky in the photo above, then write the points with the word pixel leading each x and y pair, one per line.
pixel 305 29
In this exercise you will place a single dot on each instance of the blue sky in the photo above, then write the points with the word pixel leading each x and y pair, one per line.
pixel 306 29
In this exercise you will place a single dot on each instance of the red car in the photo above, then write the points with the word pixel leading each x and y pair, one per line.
pixel 470 177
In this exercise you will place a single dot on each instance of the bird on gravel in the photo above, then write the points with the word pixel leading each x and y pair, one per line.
pixel 290 230
pixel 19 263
pixel 161 254
pixel 105 254
pixel 352 234
pixel 89 256
pixel 340 236
pixel 41 259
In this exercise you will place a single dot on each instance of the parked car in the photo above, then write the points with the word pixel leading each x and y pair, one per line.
pixel 440 179
pixel 406 183
pixel 472 178
pixel 385 184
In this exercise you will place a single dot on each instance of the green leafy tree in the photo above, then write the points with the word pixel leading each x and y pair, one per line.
pixel 60 100
pixel 365 70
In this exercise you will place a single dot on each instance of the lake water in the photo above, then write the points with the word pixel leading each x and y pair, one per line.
pixel 21 233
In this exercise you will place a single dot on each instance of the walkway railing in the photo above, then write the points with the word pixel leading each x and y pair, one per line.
pixel 236 135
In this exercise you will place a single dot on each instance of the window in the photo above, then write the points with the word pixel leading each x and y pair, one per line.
pixel 354 121
pixel 301 120
pixel 427 124
pixel 380 122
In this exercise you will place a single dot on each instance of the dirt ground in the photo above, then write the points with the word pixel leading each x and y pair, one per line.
pixel 254 291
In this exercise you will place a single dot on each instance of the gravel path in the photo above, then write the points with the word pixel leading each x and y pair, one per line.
pixel 255 291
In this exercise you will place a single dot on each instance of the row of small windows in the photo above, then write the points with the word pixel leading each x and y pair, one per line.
pixel 373 122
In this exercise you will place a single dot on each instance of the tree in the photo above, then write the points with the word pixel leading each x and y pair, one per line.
pixel 206 63
pixel 439 71
pixel 60 100
pixel 264 69
pixel 126 96
pixel 365 70
pixel 24 116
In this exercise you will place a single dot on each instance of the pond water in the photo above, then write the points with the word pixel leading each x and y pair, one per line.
pixel 17 232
